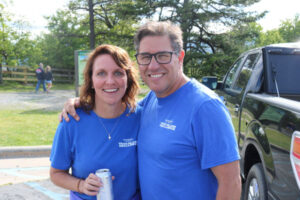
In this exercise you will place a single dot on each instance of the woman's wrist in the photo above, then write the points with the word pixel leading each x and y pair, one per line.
pixel 78 185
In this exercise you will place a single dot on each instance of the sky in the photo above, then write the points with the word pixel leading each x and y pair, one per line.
pixel 34 10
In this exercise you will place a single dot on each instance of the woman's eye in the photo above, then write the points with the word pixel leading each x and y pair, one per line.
pixel 118 73
pixel 101 74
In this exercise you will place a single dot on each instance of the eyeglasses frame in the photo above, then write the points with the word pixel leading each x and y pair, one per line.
pixel 154 55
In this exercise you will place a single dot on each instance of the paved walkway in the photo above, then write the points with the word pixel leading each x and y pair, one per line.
pixel 30 100
pixel 28 178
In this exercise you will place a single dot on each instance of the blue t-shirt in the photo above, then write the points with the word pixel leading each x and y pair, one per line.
pixel 181 137
pixel 84 146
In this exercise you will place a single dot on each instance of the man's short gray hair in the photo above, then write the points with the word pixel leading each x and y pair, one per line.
pixel 162 28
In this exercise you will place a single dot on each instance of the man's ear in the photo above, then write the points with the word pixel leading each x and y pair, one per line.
pixel 181 56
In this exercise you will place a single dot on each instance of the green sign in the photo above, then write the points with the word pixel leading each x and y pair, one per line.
pixel 81 57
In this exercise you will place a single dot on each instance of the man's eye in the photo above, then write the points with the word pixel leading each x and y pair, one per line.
pixel 163 56
pixel 145 57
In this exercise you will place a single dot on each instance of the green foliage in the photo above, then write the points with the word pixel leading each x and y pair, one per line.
pixel 66 35
pixel 214 32
pixel 290 30
pixel 205 26
pixel 71 29
pixel 16 47
pixel 270 37
pixel 109 21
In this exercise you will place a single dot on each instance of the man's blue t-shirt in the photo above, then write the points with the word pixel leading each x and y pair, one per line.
pixel 84 146
pixel 181 137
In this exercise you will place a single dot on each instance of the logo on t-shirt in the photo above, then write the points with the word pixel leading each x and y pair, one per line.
pixel 168 124
pixel 128 143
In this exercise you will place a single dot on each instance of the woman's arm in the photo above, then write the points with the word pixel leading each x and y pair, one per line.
pixel 89 186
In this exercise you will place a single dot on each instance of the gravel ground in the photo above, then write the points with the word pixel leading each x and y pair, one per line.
pixel 52 101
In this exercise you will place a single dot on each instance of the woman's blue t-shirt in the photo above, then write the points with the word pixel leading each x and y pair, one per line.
pixel 84 147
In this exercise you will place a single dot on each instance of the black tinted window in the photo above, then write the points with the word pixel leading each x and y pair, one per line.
pixel 230 77
pixel 245 73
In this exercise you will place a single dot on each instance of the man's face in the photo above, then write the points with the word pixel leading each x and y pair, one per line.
pixel 163 79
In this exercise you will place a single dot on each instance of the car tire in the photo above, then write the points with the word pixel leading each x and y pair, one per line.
pixel 256 187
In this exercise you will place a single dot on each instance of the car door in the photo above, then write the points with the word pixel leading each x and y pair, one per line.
pixel 234 86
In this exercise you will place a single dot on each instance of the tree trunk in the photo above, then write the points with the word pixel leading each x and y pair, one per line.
pixel 184 27
pixel 92 25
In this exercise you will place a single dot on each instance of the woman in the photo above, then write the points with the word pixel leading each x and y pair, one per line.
pixel 105 137
pixel 49 78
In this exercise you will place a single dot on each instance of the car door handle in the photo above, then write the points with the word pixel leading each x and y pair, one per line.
pixel 236 108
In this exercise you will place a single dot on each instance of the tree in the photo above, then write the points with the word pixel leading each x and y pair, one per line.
pixel 110 16
pixel 6 37
pixel 66 34
pixel 16 46
pixel 290 29
pixel 270 37
pixel 205 26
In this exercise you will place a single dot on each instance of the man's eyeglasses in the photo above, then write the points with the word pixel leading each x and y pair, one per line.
pixel 163 57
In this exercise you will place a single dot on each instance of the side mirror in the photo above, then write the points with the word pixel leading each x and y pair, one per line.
pixel 219 85
pixel 210 81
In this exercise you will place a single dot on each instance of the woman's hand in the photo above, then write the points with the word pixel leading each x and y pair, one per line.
pixel 91 185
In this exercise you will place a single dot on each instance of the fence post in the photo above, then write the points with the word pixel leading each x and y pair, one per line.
pixel 0 73
pixel 25 76
pixel 70 76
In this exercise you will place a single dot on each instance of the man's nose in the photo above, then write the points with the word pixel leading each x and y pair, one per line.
pixel 153 64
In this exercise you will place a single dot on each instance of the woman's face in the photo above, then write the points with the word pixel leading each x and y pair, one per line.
pixel 109 80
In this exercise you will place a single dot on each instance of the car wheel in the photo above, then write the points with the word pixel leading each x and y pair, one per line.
pixel 256 187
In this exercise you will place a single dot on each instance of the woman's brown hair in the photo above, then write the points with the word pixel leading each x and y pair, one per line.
pixel 122 59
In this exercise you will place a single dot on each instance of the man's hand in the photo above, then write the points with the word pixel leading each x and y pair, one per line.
pixel 69 107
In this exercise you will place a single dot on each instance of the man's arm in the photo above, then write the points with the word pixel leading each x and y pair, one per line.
pixel 69 107
pixel 229 180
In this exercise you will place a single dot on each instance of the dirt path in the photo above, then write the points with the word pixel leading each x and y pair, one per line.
pixel 29 100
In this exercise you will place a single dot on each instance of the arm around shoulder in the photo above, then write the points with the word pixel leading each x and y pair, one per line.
pixel 69 107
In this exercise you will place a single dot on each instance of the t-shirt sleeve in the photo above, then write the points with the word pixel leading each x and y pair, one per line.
pixel 214 134
pixel 61 152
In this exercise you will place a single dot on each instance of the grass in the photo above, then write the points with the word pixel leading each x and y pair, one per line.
pixel 10 86
pixel 32 127
pixel 27 128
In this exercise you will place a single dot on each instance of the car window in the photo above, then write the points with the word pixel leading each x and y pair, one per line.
pixel 230 77
pixel 246 71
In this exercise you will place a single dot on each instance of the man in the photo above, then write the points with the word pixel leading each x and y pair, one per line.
pixel 186 145
pixel 40 75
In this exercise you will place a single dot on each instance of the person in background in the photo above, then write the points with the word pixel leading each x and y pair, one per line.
pixel 49 78
pixel 106 135
pixel 40 75
pixel 186 144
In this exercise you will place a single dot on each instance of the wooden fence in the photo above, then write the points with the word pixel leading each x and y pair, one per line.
pixel 27 74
